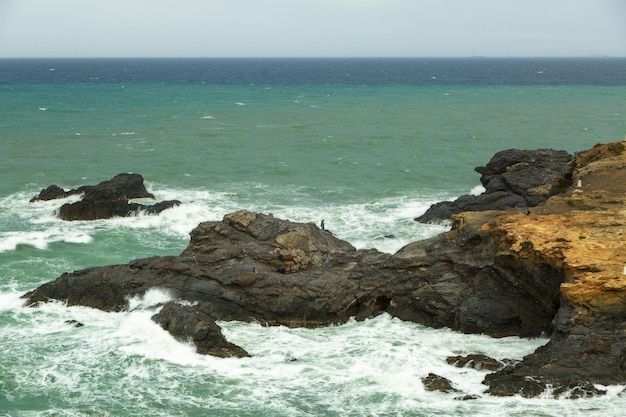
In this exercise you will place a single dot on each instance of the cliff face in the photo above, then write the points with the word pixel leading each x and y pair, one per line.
pixel 555 270
pixel 583 233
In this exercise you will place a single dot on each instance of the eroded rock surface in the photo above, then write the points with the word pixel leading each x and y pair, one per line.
pixel 583 231
pixel 554 270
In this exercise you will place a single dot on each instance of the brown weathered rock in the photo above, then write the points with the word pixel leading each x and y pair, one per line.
pixel 434 382
pixel 53 192
pixel 583 231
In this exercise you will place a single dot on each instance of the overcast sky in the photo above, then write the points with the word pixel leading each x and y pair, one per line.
pixel 311 28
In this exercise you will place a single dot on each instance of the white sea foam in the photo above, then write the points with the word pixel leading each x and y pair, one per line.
pixel 11 301
pixel 37 225
pixel 377 366
pixel 386 225
pixel 138 335
pixel 151 298
pixel 372 368
pixel 40 240
pixel 478 190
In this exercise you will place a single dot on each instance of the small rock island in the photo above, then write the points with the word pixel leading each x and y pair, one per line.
pixel 105 200
pixel 541 253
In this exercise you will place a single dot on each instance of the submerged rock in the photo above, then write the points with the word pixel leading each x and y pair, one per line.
pixel 477 361
pixel 105 200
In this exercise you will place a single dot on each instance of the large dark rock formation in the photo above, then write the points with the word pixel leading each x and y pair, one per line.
pixel 512 179
pixel 555 272
pixel 105 200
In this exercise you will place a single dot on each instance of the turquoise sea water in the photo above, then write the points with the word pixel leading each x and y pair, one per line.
pixel 367 157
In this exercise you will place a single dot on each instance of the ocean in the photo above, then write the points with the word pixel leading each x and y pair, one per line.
pixel 366 144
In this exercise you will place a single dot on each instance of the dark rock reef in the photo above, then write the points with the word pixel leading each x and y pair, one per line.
pixel 105 200
pixel 553 270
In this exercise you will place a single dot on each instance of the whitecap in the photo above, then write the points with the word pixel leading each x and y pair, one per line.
pixel 41 239
pixel 11 301
pixel 138 334
pixel 478 190
pixel 375 365
pixel 151 298
pixel 386 225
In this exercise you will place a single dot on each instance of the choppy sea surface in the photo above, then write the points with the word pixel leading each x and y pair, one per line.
pixel 366 144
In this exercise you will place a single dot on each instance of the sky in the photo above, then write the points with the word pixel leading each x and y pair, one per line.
pixel 312 28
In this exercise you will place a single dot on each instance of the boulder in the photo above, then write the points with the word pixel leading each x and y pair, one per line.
pixel 512 179
pixel 53 192
pixel 434 382
pixel 477 361
pixel 195 324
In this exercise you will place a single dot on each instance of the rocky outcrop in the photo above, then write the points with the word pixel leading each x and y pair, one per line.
pixel 106 199
pixel 195 324
pixel 554 270
pixel 583 231
pixel 434 382
pixel 512 179
pixel 478 361
pixel 243 267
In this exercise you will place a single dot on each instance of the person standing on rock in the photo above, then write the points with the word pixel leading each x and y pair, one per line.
pixel 322 225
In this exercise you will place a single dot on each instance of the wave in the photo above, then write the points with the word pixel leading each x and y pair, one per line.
pixel 150 299
pixel 41 239
pixel 112 360
pixel 386 224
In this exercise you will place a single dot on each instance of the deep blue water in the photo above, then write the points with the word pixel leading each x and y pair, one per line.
pixel 290 71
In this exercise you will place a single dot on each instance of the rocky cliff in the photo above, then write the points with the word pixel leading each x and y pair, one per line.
pixel 554 269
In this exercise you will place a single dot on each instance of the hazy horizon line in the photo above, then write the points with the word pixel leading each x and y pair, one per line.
pixel 329 57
